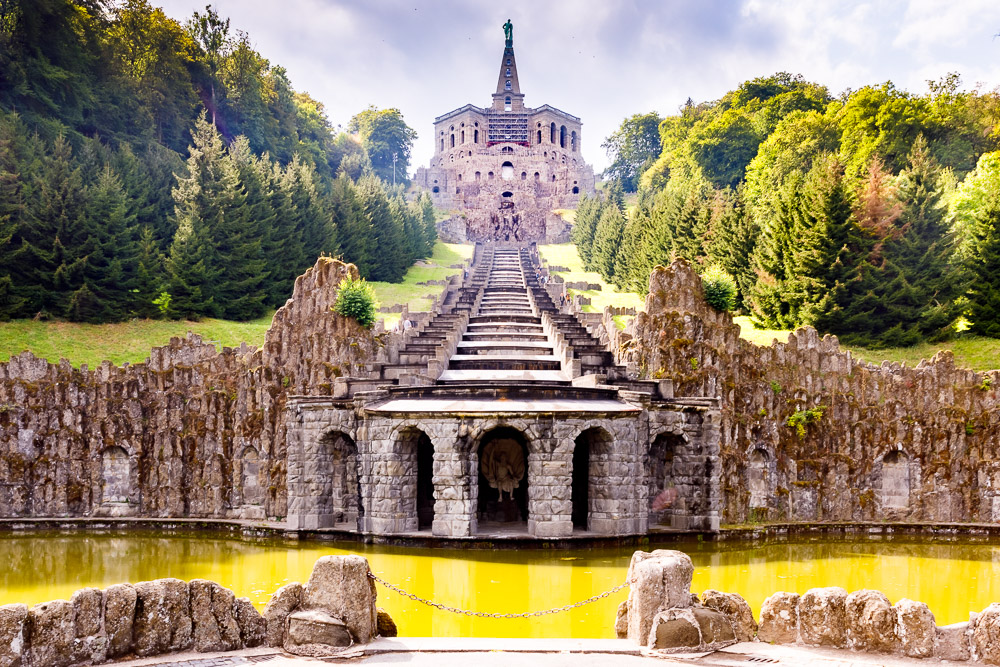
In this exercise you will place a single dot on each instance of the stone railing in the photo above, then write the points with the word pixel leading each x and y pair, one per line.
pixel 335 609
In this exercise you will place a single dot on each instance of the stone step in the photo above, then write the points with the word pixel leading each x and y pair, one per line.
pixel 477 362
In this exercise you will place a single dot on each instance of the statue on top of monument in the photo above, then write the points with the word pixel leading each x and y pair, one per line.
pixel 508 32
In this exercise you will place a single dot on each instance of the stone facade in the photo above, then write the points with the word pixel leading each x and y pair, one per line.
pixel 506 166
pixel 880 443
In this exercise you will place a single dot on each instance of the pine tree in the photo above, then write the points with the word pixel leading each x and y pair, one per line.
pixel 11 212
pixel 389 243
pixel 582 234
pixel 283 246
pixel 607 240
pixel 731 242
pixel 353 227
pixel 429 221
pixel 984 267
pixel 150 278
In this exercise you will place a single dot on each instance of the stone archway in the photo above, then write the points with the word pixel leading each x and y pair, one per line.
pixel 895 480
pixel 503 477
pixel 759 482
pixel 591 490
pixel 336 478
pixel 115 474
pixel 664 499
pixel 251 490
pixel 415 453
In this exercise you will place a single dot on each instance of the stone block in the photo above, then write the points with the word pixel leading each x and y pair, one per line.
pixel 284 601
pixel 162 617
pixel 340 587
pixel 985 638
pixel 916 628
pixel 13 633
pixel 213 626
pixel 735 609
pixel 119 612
pixel 823 617
pixel 384 624
pixel 779 619
pixel 871 622
pixel 52 633
pixel 621 620
pixel 251 623
pixel 951 642
pixel 690 629
pixel 91 643
pixel 316 628
pixel 659 580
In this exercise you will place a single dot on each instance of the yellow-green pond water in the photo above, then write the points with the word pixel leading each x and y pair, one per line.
pixel 952 577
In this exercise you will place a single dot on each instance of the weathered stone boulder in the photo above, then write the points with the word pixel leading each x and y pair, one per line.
pixel 384 624
pixel 823 617
pixel 660 580
pixel 779 619
pixel 916 628
pixel 871 622
pixel 284 601
pixel 162 617
pixel 91 642
pixel 213 626
pixel 13 619
pixel 621 620
pixel 52 634
pixel 951 642
pixel 119 612
pixel 315 632
pixel 251 623
pixel 690 629
pixel 735 609
pixel 340 586
pixel 985 639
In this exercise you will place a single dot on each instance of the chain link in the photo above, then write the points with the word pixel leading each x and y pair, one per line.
pixel 484 614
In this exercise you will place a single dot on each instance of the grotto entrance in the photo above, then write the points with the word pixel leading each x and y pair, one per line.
pixel 336 475
pixel 503 479
pixel 663 497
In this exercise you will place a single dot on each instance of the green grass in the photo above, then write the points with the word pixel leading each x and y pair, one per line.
pixel 420 297
pixel 973 352
pixel 119 343
pixel 566 255
pixel 131 341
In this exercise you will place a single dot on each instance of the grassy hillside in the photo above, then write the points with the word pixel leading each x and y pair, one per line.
pixel 565 255
pixel 131 341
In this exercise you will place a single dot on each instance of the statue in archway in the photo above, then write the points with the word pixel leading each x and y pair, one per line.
pixel 508 32
pixel 503 465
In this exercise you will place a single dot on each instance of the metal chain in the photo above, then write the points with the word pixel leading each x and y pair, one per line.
pixel 484 614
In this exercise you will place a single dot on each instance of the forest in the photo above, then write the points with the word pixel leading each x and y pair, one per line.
pixel 873 214
pixel 155 169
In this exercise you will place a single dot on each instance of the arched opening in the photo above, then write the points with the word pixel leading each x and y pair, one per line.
pixel 758 482
pixel 553 178
pixel 539 136
pixel 507 149
pixel 524 175
pixel 895 480
pixel 576 190
pixel 416 456
pixel 552 133
pixel 252 489
pixel 459 178
pixel 435 189
pixel 507 85
pixel 592 492
pixel 562 136
pixel 336 480
pixel 115 473
pixel 572 141
pixel 663 496
pixel 506 104
pixel 507 194
pixel 538 177
pixel 452 140
pixel 507 171
pixel 475 137
pixel 463 136
pixel 478 176
pixel 503 477
pixel 489 176
pixel 442 143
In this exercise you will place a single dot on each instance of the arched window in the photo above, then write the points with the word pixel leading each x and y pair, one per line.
pixel 478 176
pixel 552 133
pixel 507 149
pixel 553 178
pixel 895 480
pixel 508 72
pixel 442 143
pixel 475 137
pixel 463 136
pixel 452 140
pixel 576 190
pixel 538 177
pixel 562 136
pixel 115 475
pixel 490 176
pixel 539 136
pixel 435 189
pixel 572 140
pixel 459 178
pixel 524 175
pixel 507 171
pixel 506 104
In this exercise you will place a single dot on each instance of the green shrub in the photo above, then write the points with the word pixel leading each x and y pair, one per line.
pixel 800 419
pixel 356 299
pixel 720 288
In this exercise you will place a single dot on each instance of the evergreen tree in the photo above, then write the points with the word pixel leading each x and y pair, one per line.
pixel 353 226
pixel 731 243
pixel 11 212
pixel 607 240
pixel 429 222
pixel 582 234
pixel 283 242
pixel 149 276
pixel 984 290
pixel 389 242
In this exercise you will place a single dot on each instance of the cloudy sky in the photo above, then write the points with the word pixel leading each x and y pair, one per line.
pixel 603 60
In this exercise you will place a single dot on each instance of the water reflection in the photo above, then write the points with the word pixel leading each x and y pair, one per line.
pixel 953 577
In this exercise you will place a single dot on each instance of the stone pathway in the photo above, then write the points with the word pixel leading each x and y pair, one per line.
pixel 484 652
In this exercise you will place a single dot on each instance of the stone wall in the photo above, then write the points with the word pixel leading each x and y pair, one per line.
pixel 191 432
pixel 809 433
